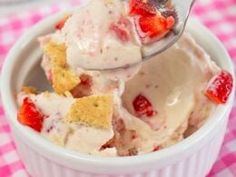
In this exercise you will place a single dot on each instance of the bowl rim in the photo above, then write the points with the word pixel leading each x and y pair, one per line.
pixel 51 151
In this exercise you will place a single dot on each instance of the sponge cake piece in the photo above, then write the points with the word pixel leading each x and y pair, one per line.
pixel 93 111
pixel 63 78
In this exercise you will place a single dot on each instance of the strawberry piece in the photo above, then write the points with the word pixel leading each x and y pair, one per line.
pixel 156 26
pixel 85 80
pixel 120 32
pixel 170 22
pixel 139 7
pixel 143 107
pixel 156 148
pixel 84 88
pixel 29 115
pixel 59 25
pixel 220 87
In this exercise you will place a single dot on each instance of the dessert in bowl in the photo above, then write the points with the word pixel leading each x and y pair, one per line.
pixel 159 104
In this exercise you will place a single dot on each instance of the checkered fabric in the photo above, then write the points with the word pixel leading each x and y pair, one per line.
pixel 218 15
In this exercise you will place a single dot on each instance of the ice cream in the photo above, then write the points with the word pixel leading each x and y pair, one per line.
pixel 97 33
pixel 64 123
pixel 175 97
pixel 151 107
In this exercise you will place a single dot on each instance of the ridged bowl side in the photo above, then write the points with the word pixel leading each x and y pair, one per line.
pixel 197 164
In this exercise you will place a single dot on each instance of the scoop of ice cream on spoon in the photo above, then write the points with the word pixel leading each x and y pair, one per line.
pixel 114 34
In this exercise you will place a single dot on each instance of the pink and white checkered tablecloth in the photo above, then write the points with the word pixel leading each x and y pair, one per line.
pixel 218 15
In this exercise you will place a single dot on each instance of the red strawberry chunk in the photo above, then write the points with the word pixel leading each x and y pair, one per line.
pixel 170 22
pixel 156 148
pixel 29 115
pixel 139 7
pixel 150 23
pixel 84 88
pixel 220 87
pixel 59 25
pixel 120 32
pixel 156 26
pixel 85 80
pixel 143 107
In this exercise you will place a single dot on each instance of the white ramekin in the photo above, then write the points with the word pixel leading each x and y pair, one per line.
pixel 193 157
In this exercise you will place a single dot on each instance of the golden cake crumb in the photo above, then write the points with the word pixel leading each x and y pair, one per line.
pixel 108 1
pixel 58 140
pixel 63 78
pixel 29 90
pixel 92 110
pixel 56 53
